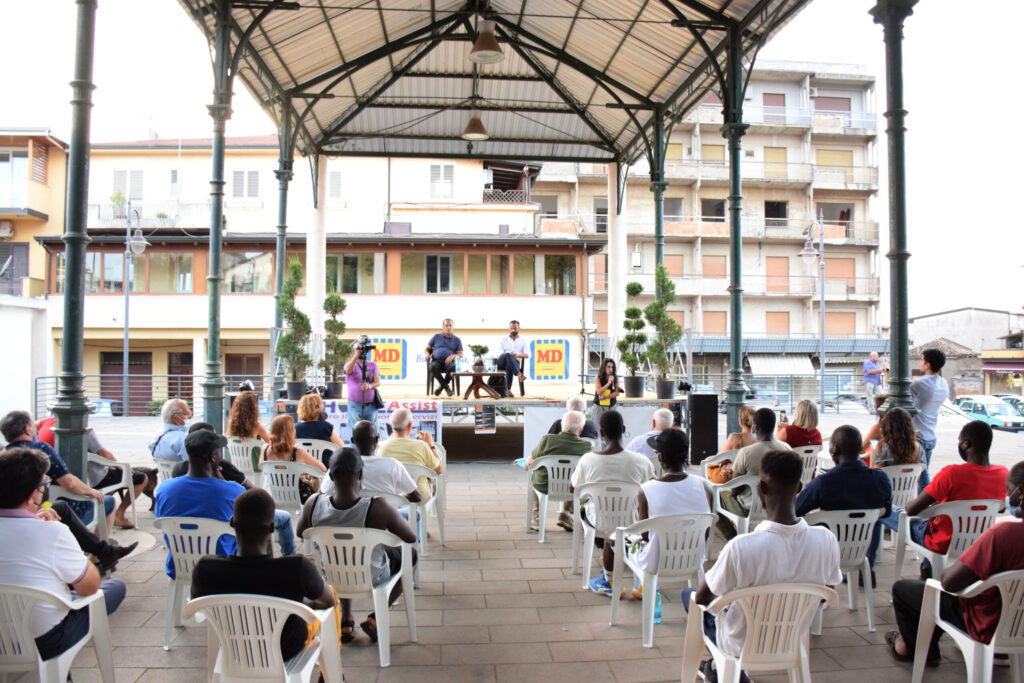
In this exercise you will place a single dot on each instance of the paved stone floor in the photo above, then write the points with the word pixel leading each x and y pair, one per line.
pixel 495 605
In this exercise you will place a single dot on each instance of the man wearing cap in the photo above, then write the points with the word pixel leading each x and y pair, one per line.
pixel 200 493
pixel 346 508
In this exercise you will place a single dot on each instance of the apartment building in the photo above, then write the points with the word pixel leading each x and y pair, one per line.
pixel 811 150
pixel 409 243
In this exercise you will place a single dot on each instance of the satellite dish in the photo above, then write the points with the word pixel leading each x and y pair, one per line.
pixel 6 266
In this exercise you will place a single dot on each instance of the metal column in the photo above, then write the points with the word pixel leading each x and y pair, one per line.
pixel 284 175
pixel 70 408
pixel 891 14
pixel 658 185
pixel 733 130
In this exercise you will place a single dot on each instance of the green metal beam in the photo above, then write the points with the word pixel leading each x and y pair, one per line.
pixel 284 175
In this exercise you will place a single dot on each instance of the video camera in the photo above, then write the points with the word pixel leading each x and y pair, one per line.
pixel 364 346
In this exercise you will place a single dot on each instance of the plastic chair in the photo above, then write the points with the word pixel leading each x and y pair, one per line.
pixel 165 470
pixel 432 506
pixel 18 651
pixel 809 454
pixel 188 539
pixel 680 540
pixel 344 553
pixel 317 447
pixel 777 620
pixel 245 454
pixel 98 525
pixel 125 483
pixel 559 469
pixel 612 504
pixel 281 478
pixel 756 512
pixel 970 519
pixel 396 501
pixel 244 639
pixel 715 459
pixel 1008 638
pixel 852 529
pixel 903 479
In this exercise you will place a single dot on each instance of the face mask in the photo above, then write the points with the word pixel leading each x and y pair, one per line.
pixel 1014 509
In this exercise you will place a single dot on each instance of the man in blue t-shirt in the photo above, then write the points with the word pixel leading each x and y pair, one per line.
pixel 872 379
pixel 200 493
pixel 442 350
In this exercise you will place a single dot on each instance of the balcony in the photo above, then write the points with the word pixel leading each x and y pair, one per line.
pixel 777 285
pixel 147 214
pixel 776 119
pixel 781 174
pixel 505 197
pixel 758 227
pixel 839 289
pixel 844 123
pixel 848 289
pixel 21 199
pixel 845 177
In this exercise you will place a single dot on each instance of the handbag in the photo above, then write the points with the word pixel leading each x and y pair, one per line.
pixel 378 402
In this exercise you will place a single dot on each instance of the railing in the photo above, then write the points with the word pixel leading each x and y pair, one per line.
pixel 11 287
pixel 14 194
pixel 845 177
pixel 757 226
pixel 838 120
pixel 783 392
pixel 779 116
pixel 852 288
pixel 848 287
pixel 153 214
pixel 505 197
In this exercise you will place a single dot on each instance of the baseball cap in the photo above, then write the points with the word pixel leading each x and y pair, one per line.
pixel 345 461
pixel 203 442
pixel 670 441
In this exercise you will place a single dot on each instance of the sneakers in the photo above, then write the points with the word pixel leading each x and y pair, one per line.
pixel 534 526
pixel 710 674
pixel 565 521
pixel 601 585
pixel 638 591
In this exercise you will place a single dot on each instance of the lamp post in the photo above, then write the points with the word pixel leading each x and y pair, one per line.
pixel 808 254
pixel 133 244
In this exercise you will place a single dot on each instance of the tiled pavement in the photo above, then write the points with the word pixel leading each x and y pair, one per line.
pixel 495 605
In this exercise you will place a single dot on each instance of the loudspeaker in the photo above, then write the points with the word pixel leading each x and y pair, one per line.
pixel 703 409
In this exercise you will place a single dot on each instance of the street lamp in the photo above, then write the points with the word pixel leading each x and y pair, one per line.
pixel 808 254
pixel 134 243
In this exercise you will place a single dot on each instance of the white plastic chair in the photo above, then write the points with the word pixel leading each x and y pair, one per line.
pixel 188 539
pixel 777 617
pixel 903 479
pixel 165 470
pixel 244 639
pixel 98 525
pixel 317 447
pixel 612 504
pixel 125 483
pixel 245 454
pixel 431 506
pixel 344 553
pixel 281 479
pixel 1008 638
pixel 680 540
pixel 559 469
pixel 18 651
pixel 756 513
pixel 809 454
pixel 852 528
pixel 970 519
pixel 715 459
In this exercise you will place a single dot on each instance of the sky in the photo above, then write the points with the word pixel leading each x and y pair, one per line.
pixel 152 73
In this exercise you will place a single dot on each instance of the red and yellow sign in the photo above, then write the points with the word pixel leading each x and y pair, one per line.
pixel 390 356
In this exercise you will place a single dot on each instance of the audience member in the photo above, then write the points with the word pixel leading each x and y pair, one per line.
pixel 169 444
pixel 874 432
pixel 311 424
pixel 661 421
pixel 929 393
pixel 244 418
pixel 804 430
pixel 201 493
pixel 566 442
pixel 975 479
pixel 384 475
pixel 40 553
pixel 748 461
pixel 742 438
pixel 781 549
pixel 579 404
pixel 252 570
pixel 1000 549
pixel 282 448
pixel 419 451
pixel 346 508
pixel 850 485
pixel 897 440
pixel 19 430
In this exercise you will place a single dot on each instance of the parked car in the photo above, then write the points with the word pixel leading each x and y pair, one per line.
pixel 1015 400
pixel 993 410
pixel 762 398
pixel 106 406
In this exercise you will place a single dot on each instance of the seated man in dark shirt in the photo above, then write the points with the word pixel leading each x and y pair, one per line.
pixel 252 570
pixel 579 404
pixel 850 485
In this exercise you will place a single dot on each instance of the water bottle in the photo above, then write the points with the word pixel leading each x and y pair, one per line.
pixel 657 607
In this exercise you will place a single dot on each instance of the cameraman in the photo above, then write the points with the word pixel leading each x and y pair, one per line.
pixel 361 378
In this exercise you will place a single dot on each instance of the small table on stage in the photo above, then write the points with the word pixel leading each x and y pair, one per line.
pixel 479 382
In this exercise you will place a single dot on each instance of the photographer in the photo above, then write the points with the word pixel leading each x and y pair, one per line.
pixel 361 378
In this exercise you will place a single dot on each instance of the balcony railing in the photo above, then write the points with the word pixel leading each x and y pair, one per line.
pixel 759 227
pixel 146 214
pixel 845 177
pixel 14 194
pixel 830 121
pixel 848 288
pixel 754 284
pixel 768 171
pixel 780 116
pixel 505 197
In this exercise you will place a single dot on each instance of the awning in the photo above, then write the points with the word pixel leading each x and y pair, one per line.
pixel 1003 368
pixel 772 364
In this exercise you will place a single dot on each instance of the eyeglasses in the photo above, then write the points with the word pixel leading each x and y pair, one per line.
pixel 45 485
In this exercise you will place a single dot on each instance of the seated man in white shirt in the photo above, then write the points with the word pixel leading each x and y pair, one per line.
pixel 661 421
pixel 514 352
pixel 384 475
pixel 40 552
pixel 782 549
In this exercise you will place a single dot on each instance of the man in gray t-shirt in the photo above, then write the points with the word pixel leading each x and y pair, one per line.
pixel 929 393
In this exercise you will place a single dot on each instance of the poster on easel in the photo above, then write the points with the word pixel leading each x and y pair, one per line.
pixel 484 421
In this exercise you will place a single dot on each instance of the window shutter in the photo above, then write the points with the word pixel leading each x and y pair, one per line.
pixel 120 183
pixel 334 185
pixel 40 161
pixel 254 184
pixel 238 184
pixel 449 173
pixel 435 173
pixel 136 186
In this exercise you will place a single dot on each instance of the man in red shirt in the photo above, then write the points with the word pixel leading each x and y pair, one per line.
pixel 1000 549
pixel 976 479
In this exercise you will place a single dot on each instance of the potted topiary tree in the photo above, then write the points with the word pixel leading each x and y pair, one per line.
pixel 336 352
pixel 667 332
pixel 478 356
pixel 632 343
pixel 291 347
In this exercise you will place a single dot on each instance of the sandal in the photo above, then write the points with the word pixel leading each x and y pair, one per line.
pixel 348 631
pixel 890 640
pixel 123 524
pixel 370 627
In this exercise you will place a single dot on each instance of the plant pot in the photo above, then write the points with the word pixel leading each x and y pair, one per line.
pixel 479 367
pixel 665 388
pixel 296 390
pixel 634 386
pixel 334 389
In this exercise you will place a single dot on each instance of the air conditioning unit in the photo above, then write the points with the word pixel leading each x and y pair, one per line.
pixel 813 93
pixel 6 230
